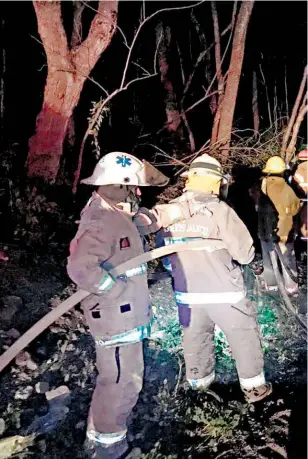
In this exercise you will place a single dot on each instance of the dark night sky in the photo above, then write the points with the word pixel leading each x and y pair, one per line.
pixel 277 29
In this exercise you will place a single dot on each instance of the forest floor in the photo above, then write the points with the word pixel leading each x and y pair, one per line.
pixel 170 420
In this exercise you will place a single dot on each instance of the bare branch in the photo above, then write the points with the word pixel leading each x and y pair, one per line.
pixel 100 107
pixel 194 105
pixel 267 97
pixel 217 42
pixel 140 28
pixel 286 90
pixel 207 49
pixel 142 68
pixel 124 37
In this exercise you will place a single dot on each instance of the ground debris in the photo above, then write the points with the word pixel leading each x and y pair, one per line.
pixel 24 360
pixel 13 445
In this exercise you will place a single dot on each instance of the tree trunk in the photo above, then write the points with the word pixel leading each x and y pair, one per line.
pixel 172 109
pixel 255 104
pixel 294 112
pixel 300 117
pixel 220 79
pixel 233 79
pixel 67 71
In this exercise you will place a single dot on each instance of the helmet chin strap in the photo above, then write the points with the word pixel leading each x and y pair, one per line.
pixel 134 199
pixel 125 195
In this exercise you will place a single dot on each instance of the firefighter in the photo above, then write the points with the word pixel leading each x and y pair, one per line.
pixel 301 178
pixel 118 310
pixel 208 283
pixel 278 206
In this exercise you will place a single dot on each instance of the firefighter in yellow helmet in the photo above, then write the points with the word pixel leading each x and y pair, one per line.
pixel 208 282
pixel 277 208
pixel 301 181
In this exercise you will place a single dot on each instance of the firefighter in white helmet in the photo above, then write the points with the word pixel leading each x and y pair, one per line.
pixel 118 310
pixel 208 283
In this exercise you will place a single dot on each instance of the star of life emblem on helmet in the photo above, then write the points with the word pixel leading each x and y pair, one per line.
pixel 124 161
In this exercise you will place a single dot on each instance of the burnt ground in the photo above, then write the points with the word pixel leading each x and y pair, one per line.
pixel 170 420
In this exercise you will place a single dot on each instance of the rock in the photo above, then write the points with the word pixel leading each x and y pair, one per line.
pixel 61 391
pixel 24 360
pixel 2 426
pixel 13 333
pixel 23 393
pixel 42 387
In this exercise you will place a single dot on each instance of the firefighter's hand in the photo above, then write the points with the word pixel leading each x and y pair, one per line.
pixel 146 221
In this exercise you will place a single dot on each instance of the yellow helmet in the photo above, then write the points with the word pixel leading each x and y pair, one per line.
pixel 275 165
pixel 204 165
pixel 204 174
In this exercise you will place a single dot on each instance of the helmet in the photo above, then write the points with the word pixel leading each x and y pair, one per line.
pixel 119 168
pixel 303 155
pixel 275 165
pixel 204 165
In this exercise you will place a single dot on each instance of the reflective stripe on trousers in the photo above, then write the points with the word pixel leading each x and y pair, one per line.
pixel 184 298
pixel 129 337
pixel 106 439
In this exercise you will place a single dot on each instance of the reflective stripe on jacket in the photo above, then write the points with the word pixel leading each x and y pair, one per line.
pixel 202 276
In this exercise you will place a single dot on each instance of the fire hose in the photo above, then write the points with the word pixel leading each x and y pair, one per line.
pixel 286 305
pixel 120 270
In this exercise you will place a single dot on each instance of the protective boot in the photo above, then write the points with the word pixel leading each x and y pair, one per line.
pixel 96 450
pixel 202 383
pixel 258 393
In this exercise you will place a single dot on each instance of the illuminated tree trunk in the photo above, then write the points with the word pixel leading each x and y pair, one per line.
pixel 229 99
pixel 68 68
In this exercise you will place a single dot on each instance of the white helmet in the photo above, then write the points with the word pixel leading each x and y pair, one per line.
pixel 119 168
pixel 204 165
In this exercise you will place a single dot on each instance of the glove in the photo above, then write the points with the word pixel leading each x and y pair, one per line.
pixel 145 221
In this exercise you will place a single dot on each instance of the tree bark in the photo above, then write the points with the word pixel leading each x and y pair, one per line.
pixel 294 112
pixel 233 79
pixel 255 104
pixel 220 79
pixel 300 117
pixel 172 108
pixel 67 71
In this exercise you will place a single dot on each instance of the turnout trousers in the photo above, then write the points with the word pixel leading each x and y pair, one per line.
pixel 119 382
pixel 239 324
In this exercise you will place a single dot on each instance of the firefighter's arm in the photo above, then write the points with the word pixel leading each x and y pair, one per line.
pixel 86 263
pixel 235 235
pixel 161 216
